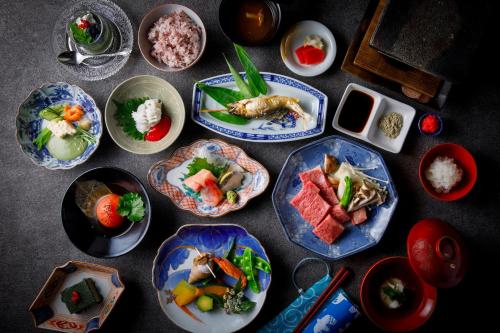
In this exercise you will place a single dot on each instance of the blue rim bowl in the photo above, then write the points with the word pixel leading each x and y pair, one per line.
pixel 28 122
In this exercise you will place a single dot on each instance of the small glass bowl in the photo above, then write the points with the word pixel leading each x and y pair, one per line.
pixel 103 41
pixel 440 120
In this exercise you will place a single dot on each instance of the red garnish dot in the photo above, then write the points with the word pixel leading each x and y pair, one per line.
pixel 75 297
pixel 430 124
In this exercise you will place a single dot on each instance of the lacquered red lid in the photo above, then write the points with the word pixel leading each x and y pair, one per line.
pixel 437 253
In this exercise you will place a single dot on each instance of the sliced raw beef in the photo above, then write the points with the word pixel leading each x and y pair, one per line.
pixel 328 230
pixel 310 204
pixel 340 214
pixel 359 216
pixel 317 176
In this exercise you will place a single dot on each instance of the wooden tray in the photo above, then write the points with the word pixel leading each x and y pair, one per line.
pixel 369 58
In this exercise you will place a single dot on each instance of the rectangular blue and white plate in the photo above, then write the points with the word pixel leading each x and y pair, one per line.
pixel 313 101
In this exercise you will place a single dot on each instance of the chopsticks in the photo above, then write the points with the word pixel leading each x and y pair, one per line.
pixel 337 280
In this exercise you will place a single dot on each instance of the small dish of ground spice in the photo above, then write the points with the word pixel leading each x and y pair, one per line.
pixel 370 116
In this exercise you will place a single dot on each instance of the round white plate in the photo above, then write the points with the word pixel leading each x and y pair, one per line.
pixel 294 38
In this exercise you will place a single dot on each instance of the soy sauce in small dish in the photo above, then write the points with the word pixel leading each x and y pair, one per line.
pixel 356 111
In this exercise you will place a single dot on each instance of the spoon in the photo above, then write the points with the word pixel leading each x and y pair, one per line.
pixel 76 58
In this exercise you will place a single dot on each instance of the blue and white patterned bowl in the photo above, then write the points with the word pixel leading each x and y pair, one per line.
pixel 28 123
pixel 355 238
pixel 173 263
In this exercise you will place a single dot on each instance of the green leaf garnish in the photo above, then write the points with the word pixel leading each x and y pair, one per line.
pixel 85 135
pixel 131 206
pixel 221 95
pixel 52 112
pixel 42 138
pixel 240 83
pixel 124 116
pixel 81 36
pixel 199 163
pixel 255 80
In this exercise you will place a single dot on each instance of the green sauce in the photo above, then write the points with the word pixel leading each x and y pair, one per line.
pixel 66 149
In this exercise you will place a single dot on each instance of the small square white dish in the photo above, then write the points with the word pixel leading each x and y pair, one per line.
pixel 382 105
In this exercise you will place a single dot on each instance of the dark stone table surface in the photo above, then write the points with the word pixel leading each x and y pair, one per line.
pixel 33 242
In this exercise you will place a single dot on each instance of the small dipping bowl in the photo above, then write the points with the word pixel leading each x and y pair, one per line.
pixel 463 158
pixel 87 234
pixel 229 19
pixel 422 297
pixel 440 120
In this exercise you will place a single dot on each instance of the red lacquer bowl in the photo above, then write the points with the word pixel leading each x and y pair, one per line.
pixel 419 308
pixel 462 158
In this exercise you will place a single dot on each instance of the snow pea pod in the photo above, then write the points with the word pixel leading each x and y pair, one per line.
pixel 248 269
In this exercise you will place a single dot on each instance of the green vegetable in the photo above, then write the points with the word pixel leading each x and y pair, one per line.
pixel 232 197
pixel 347 195
pixel 229 118
pixel 199 163
pixel 258 263
pixel 81 36
pixel 205 303
pixel 52 113
pixel 42 138
pixel 221 95
pixel 255 80
pixel 242 85
pixel 397 295
pixel 124 116
pixel 131 206
pixel 217 300
pixel 229 253
pixel 248 268
pixel 85 135
pixel 234 300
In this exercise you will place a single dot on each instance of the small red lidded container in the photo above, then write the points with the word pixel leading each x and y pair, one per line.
pixel 437 258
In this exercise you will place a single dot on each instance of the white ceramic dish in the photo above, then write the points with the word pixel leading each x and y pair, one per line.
pixel 294 38
pixel 381 106
pixel 152 87
pixel 313 101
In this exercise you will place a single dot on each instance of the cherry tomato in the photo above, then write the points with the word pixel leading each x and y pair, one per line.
pixel 106 211
pixel 158 131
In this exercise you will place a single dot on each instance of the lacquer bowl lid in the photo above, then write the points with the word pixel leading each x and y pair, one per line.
pixel 437 253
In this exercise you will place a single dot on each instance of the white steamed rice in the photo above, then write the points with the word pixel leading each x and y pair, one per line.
pixel 443 174
pixel 176 40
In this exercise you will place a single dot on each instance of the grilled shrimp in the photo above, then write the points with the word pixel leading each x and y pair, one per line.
pixel 266 105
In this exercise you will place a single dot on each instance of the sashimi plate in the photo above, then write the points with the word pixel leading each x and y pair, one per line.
pixel 173 262
pixel 312 101
pixel 355 238
pixel 166 177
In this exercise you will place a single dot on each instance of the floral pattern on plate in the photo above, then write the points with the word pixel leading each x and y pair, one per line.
pixel 28 122
pixel 173 262
pixel 165 177
pixel 355 238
